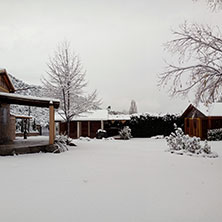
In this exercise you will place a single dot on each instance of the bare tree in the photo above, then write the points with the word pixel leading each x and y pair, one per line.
pixel 66 81
pixel 214 4
pixel 133 107
pixel 199 47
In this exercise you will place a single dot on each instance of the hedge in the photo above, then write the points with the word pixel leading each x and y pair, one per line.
pixel 147 125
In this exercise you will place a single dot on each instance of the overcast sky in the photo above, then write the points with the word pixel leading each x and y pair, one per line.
pixel 119 42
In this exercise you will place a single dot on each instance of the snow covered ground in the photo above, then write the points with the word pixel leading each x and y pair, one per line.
pixel 112 181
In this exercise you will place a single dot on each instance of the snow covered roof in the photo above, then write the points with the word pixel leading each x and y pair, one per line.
pixel 160 114
pixel 119 117
pixel 93 115
pixel 12 98
pixel 215 109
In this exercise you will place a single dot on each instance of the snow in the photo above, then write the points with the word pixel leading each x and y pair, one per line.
pixel 41 115
pixel 21 116
pixel 161 114
pixel 119 117
pixel 33 138
pixel 112 180
pixel 14 96
pixel 214 109
pixel 85 116
pixel 93 115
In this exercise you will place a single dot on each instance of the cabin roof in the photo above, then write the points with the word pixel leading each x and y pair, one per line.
pixel 11 98
pixel 214 109
pixel 8 82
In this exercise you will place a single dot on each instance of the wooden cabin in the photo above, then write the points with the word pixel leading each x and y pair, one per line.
pixel 7 97
pixel 198 120
pixel 88 123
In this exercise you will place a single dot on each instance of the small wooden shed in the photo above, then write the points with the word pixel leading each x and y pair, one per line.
pixel 198 120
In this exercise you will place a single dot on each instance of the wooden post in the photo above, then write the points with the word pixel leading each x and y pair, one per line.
pixel 88 128
pixel 51 123
pixel 191 127
pixel 185 125
pixel 78 129
pixel 200 128
pixel 209 122
pixel 102 125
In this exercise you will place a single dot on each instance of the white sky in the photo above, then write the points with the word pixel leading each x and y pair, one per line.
pixel 119 42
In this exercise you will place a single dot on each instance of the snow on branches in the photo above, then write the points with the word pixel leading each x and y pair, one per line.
pixel 125 133
pixel 66 82
pixel 199 69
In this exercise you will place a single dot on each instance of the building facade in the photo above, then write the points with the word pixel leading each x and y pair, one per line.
pixel 198 120
pixel 7 122
pixel 88 123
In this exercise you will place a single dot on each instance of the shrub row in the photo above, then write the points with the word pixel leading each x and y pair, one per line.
pixel 148 126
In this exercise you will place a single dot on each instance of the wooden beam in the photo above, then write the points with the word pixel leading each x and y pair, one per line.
pixel 3 89
pixel 190 127
pixel 185 125
pixel 209 122
pixel 102 125
pixel 200 128
pixel 88 128
pixel 51 124
pixel 11 98
pixel 78 129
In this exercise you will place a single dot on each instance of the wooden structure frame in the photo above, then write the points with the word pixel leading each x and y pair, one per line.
pixel 52 104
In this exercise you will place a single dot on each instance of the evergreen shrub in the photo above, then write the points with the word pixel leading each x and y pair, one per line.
pixel 147 125
pixel 214 134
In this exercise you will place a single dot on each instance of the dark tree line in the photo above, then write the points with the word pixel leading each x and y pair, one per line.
pixel 148 126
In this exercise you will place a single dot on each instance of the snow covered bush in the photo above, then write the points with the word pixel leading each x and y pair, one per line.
pixel 214 134
pixel 62 142
pixel 101 134
pixel 125 133
pixel 179 143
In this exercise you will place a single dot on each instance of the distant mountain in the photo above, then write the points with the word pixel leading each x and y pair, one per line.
pixel 41 115
pixel 25 88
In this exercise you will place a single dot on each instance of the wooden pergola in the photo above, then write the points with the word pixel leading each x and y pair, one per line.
pixel 52 104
